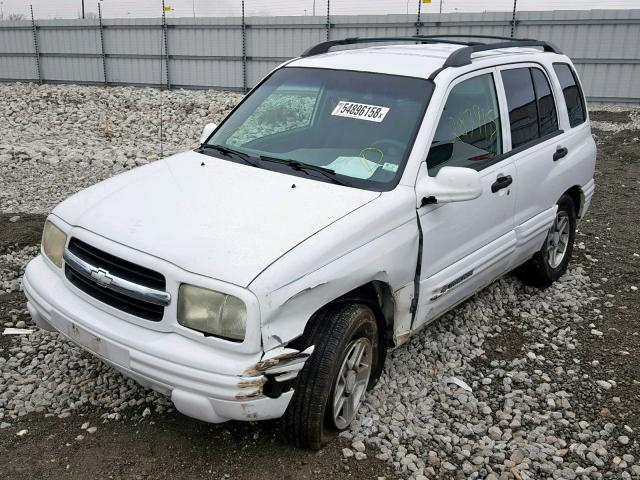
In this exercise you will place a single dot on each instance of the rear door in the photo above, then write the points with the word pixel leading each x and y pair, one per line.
pixel 466 245
pixel 546 149
pixel 535 137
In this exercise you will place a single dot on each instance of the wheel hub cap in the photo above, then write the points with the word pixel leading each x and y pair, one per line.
pixel 558 240
pixel 352 381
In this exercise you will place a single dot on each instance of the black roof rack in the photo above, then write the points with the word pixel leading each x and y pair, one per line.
pixel 457 58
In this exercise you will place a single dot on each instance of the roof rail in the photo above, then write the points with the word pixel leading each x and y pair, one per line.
pixel 324 47
pixel 457 58
pixel 462 56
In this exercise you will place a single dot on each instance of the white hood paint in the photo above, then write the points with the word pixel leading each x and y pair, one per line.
pixel 225 220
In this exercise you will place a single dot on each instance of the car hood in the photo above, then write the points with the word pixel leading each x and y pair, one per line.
pixel 210 216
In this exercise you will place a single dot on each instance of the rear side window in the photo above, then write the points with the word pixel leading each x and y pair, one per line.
pixel 572 94
pixel 547 115
pixel 521 100
pixel 468 134
pixel 532 110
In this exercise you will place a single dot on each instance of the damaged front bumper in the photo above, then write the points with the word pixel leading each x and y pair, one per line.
pixel 272 374
pixel 203 382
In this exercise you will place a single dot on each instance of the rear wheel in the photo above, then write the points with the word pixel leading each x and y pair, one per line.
pixel 330 388
pixel 552 260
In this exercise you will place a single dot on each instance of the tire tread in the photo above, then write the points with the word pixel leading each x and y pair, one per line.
pixel 304 419
pixel 535 272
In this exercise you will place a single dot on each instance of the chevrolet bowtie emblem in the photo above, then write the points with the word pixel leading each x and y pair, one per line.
pixel 101 277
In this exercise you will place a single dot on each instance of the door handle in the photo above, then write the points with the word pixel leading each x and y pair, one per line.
pixel 501 182
pixel 560 152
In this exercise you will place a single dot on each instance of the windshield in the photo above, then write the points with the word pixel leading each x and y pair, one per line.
pixel 355 128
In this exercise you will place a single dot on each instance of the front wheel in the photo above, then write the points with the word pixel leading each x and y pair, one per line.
pixel 552 260
pixel 330 388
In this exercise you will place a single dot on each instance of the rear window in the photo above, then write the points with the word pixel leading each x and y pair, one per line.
pixel 572 93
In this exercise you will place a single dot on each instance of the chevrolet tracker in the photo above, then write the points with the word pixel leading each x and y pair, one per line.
pixel 349 200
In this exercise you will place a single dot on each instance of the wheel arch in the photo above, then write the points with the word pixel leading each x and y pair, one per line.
pixel 577 196
pixel 377 295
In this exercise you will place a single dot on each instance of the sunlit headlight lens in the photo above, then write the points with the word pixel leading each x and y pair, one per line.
pixel 53 243
pixel 212 312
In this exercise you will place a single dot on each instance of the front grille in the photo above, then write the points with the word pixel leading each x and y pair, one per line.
pixel 120 268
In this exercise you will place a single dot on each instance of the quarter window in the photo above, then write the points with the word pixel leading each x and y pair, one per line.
pixel 571 92
pixel 468 134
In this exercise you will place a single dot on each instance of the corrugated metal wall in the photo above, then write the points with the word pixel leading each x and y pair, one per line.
pixel 220 53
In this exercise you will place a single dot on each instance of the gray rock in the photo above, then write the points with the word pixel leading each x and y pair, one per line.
pixel 358 446
pixel 494 433
pixel 518 456
pixel 449 466
pixel 347 453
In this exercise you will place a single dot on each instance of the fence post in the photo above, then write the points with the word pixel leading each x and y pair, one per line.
pixel 166 44
pixel 418 22
pixel 104 59
pixel 35 45
pixel 328 18
pixel 513 19
pixel 244 52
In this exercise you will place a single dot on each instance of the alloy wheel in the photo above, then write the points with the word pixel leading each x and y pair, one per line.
pixel 558 240
pixel 352 382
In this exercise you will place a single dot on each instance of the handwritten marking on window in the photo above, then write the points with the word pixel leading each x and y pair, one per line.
pixel 475 118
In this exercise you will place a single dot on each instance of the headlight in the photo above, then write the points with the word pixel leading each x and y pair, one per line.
pixel 212 312
pixel 53 243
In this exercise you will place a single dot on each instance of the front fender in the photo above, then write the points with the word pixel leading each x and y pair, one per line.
pixel 387 254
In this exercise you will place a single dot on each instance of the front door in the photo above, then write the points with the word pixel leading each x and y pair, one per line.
pixel 466 245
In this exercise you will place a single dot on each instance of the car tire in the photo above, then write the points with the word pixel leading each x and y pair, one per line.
pixel 552 260
pixel 339 334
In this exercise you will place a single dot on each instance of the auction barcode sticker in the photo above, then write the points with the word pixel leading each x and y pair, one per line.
pixel 361 111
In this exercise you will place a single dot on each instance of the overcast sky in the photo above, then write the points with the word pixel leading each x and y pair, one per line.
pixel 186 8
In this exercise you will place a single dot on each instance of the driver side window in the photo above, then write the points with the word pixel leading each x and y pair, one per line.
pixel 468 134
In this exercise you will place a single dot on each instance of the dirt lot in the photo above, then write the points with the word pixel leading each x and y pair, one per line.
pixel 174 446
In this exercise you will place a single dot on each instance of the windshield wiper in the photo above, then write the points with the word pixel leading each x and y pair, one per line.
pixel 305 167
pixel 230 152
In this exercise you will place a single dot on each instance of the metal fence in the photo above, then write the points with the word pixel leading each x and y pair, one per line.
pixel 235 52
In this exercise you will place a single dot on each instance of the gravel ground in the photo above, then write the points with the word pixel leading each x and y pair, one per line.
pixel 57 140
pixel 554 374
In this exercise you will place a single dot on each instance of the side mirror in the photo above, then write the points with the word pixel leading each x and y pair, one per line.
pixel 451 184
pixel 208 129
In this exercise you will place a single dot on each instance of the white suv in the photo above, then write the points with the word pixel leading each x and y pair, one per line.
pixel 349 200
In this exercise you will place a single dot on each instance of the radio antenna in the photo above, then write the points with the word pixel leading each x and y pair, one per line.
pixel 162 55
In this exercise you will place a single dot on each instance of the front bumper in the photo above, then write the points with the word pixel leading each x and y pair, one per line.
pixel 157 360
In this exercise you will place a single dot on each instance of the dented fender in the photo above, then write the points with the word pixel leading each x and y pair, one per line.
pixel 377 242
